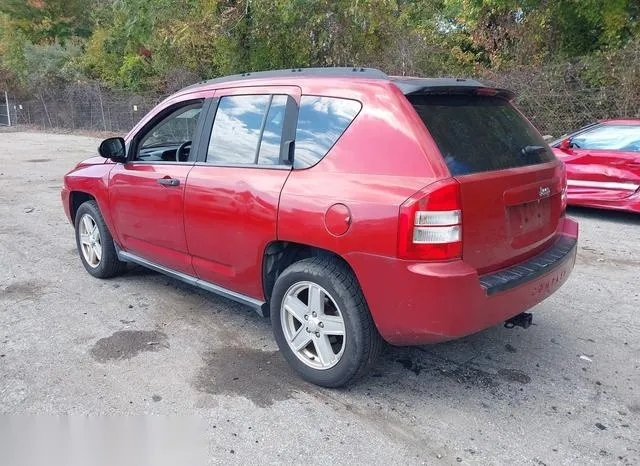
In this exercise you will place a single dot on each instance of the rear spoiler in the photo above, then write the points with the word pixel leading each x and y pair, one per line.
pixel 449 86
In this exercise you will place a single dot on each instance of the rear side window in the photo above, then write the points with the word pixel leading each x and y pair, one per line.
pixel 321 122
pixel 480 133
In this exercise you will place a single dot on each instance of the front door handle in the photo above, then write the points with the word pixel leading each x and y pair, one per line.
pixel 168 181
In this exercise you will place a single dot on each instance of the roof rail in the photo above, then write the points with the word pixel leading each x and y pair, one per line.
pixel 336 72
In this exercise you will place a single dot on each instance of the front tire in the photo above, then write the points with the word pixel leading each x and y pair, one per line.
pixel 322 324
pixel 95 243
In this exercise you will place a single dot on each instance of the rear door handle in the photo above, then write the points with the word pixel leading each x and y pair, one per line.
pixel 168 181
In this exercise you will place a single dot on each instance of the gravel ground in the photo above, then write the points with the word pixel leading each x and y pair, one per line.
pixel 565 391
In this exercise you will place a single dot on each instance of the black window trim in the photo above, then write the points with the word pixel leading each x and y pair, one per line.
pixel 243 165
pixel 267 109
pixel 197 136
pixel 286 143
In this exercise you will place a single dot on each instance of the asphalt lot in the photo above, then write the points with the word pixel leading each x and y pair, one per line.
pixel 565 391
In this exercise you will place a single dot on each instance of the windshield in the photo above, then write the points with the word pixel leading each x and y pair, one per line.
pixel 609 137
pixel 480 133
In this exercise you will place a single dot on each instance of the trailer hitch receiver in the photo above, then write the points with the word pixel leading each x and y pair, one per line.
pixel 523 320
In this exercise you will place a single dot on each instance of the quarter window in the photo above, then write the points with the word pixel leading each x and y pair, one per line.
pixel 321 122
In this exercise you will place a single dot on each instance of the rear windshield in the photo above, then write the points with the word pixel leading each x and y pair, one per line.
pixel 480 133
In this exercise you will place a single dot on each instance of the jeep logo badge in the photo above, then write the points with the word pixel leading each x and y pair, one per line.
pixel 544 192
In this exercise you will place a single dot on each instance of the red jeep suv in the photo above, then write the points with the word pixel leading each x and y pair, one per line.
pixel 350 206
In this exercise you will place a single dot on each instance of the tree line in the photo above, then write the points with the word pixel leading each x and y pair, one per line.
pixel 162 45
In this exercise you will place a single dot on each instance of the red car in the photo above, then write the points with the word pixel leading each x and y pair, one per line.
pixel 351 206
pixel 603 165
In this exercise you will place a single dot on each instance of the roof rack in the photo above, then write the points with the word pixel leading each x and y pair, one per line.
pixel 336 72
pixel 407 85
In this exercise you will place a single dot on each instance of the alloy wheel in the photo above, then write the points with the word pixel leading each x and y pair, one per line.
pixel 90 241
pixel 313 325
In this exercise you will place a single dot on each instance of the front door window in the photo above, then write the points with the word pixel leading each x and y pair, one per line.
pixel 170 139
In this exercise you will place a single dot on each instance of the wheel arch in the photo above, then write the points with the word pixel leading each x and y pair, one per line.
pixel 79 196
pixel 76 199
pixel 278 255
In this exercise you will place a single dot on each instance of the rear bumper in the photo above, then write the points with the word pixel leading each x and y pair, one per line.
pixel 415 303
pixel 529 270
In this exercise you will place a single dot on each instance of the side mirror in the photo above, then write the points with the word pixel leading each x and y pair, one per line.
pixel 114 149
pixel 565 145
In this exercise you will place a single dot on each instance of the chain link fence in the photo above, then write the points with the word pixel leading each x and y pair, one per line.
pixel 553 110
pixel 562 112
pixel 557 100
pixel 82 108
pixel 5 112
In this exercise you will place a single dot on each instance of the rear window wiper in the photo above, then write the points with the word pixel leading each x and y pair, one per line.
pixel 532 150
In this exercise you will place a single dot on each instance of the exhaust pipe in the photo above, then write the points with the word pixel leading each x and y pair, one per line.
pixel 523 320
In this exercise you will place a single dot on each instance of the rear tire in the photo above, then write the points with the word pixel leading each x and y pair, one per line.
pixel 308 333
pixel 95 243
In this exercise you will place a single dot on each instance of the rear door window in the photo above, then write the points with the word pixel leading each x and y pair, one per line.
pixel 252 129
pixel 321 122
pixel 236 129
pixel 480 133
pixel 269 153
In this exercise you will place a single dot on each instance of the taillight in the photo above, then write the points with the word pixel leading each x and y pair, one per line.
pixel 563 195
pixel 430 225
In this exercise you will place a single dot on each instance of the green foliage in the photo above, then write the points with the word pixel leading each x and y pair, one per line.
pixel 134 72
pixel 162 44
pixel 50 20
pixel 50 66
pixel 100 60
pixel 12 48
pixel 587 26
pixel 516 31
